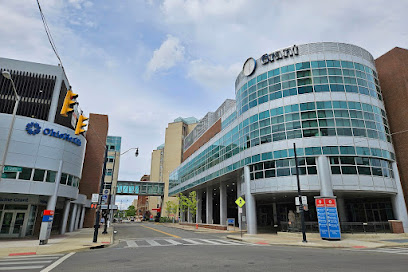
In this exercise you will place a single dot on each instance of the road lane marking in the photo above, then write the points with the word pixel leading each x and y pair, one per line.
pixel 230 243
pixel 192 242
pixel 30 262
pixel 169 234
pixel 173 242
pixel 27 260
pixel 153 243
pixel 20 267
pixel 210 242
pixel 58 262
pixel 131 243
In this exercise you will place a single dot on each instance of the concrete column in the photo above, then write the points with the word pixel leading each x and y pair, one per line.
pixel 199 197
pixel 188 215
pixel 223 204
pixel 64 222
pixel 209 205
pixel 250 204
pixel 73 217
pixel 323 169
pixel 181 216
pixel 81 224
pixel 275 213
pixel 46 227
pixel 239 194
pixel 78 216
pixel 341 207
pixel 398 201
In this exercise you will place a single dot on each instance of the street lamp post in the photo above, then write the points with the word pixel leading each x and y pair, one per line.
pixel 7 75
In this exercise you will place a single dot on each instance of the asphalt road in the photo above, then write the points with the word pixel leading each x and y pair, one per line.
pixel 153 247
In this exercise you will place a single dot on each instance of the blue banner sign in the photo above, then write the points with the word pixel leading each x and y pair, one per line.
pixel 329 225
pixel 47 218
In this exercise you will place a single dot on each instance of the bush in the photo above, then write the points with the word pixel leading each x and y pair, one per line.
pixel 166 219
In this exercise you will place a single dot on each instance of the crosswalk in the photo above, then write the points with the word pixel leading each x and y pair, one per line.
pixel 154 242
pixel 390 250
pixel 28 263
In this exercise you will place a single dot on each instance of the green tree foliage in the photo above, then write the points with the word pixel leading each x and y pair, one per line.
pixel 188 203
pixel 131 211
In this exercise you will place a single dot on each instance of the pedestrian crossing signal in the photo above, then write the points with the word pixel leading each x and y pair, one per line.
pixel 94 206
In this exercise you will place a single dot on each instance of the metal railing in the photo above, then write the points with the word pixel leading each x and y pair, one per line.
pixel 346 227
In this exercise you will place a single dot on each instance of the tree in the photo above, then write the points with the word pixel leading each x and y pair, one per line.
pixel 131 211
pixel 188 203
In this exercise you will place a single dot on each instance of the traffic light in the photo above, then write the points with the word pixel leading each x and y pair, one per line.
pixel 80 125
pixel 68 103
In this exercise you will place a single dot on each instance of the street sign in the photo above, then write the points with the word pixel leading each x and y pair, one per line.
pixel 240 202
pixel 95 198
pixel 304 200
pixel 12 169
pixel 239 209
pixel 106 191
pixel 328 219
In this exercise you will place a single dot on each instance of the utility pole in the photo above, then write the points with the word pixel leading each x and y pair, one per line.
pixel 302 211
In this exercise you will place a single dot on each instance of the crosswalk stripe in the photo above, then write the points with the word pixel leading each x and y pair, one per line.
pixel 20 267
pixel 210 242
pixel 34 256
pixel 153 243
pixel 192 242
pixel 173 242
pixel 131 243
pixel 31 262
pixel 27 260
pixel 228 242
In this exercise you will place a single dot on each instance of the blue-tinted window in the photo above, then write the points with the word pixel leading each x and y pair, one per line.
pixel 302 65
pixel 290 92
pixel 321 88
pixel 347 64
pixel 273 72
pixel 286 69
pixel 305 89
pixel 318 64
pixel 333 63
pixel 336 88
pixel 261 77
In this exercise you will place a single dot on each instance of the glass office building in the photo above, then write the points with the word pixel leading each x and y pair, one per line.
pixel 325 98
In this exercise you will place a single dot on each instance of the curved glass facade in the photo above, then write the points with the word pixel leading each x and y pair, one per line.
pixel 330 102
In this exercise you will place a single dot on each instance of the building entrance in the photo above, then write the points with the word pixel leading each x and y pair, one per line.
pixel 12 223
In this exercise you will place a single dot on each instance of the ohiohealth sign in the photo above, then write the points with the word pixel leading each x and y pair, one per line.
pixel 34 128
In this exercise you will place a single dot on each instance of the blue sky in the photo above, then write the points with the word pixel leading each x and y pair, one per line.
pixel 147 62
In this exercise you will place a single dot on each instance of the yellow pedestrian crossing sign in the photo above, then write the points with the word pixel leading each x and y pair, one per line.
pixel 240 202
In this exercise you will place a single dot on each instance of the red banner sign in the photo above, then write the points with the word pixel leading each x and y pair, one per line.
pixel 48 212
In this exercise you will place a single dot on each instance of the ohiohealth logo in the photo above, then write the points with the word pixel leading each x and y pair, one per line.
pixel 33 128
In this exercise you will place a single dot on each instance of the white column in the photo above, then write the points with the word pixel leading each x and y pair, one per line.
pixel 249 203
pixel 188 215
pixel 323 169
pixel 199 206
pixel 209 205
pixel 73 217
pixel 400 208
pixel 239 194
pixel 78 216
pixel 64 222
pixel 223 204
pixel 81 224
pixel 46 227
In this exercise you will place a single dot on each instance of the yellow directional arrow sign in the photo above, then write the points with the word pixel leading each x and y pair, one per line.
pixel 240 202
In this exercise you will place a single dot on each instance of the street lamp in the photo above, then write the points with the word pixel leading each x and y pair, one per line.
pixel 7 75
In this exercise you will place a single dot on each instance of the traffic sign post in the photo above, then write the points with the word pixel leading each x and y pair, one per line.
pixel 240 202
pixel 328 218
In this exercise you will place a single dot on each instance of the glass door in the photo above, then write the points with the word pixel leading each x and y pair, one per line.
pixel 12 224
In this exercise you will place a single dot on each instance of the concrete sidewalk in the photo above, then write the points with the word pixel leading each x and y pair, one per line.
pixel 361 240
pixel 358 241
pixel 72 241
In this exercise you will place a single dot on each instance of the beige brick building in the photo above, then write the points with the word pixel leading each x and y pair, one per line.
pixel 168 156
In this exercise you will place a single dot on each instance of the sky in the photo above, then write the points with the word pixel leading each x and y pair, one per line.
pixel 146 62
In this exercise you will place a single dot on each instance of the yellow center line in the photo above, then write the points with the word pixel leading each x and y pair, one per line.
pixel 169 234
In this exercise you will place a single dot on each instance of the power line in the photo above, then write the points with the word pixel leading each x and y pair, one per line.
pixel 49 36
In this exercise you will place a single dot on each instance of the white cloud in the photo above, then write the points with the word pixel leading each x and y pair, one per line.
pixel 168 55
pixel 214 77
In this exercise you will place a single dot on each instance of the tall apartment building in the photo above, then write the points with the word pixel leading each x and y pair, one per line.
pixel 166 158
pixel 113 144
pixel 392 68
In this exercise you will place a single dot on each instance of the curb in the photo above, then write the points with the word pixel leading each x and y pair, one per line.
pixel 23 254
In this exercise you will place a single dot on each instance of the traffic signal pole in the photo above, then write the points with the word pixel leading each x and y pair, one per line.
pixel 301 209
pixel 98 211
